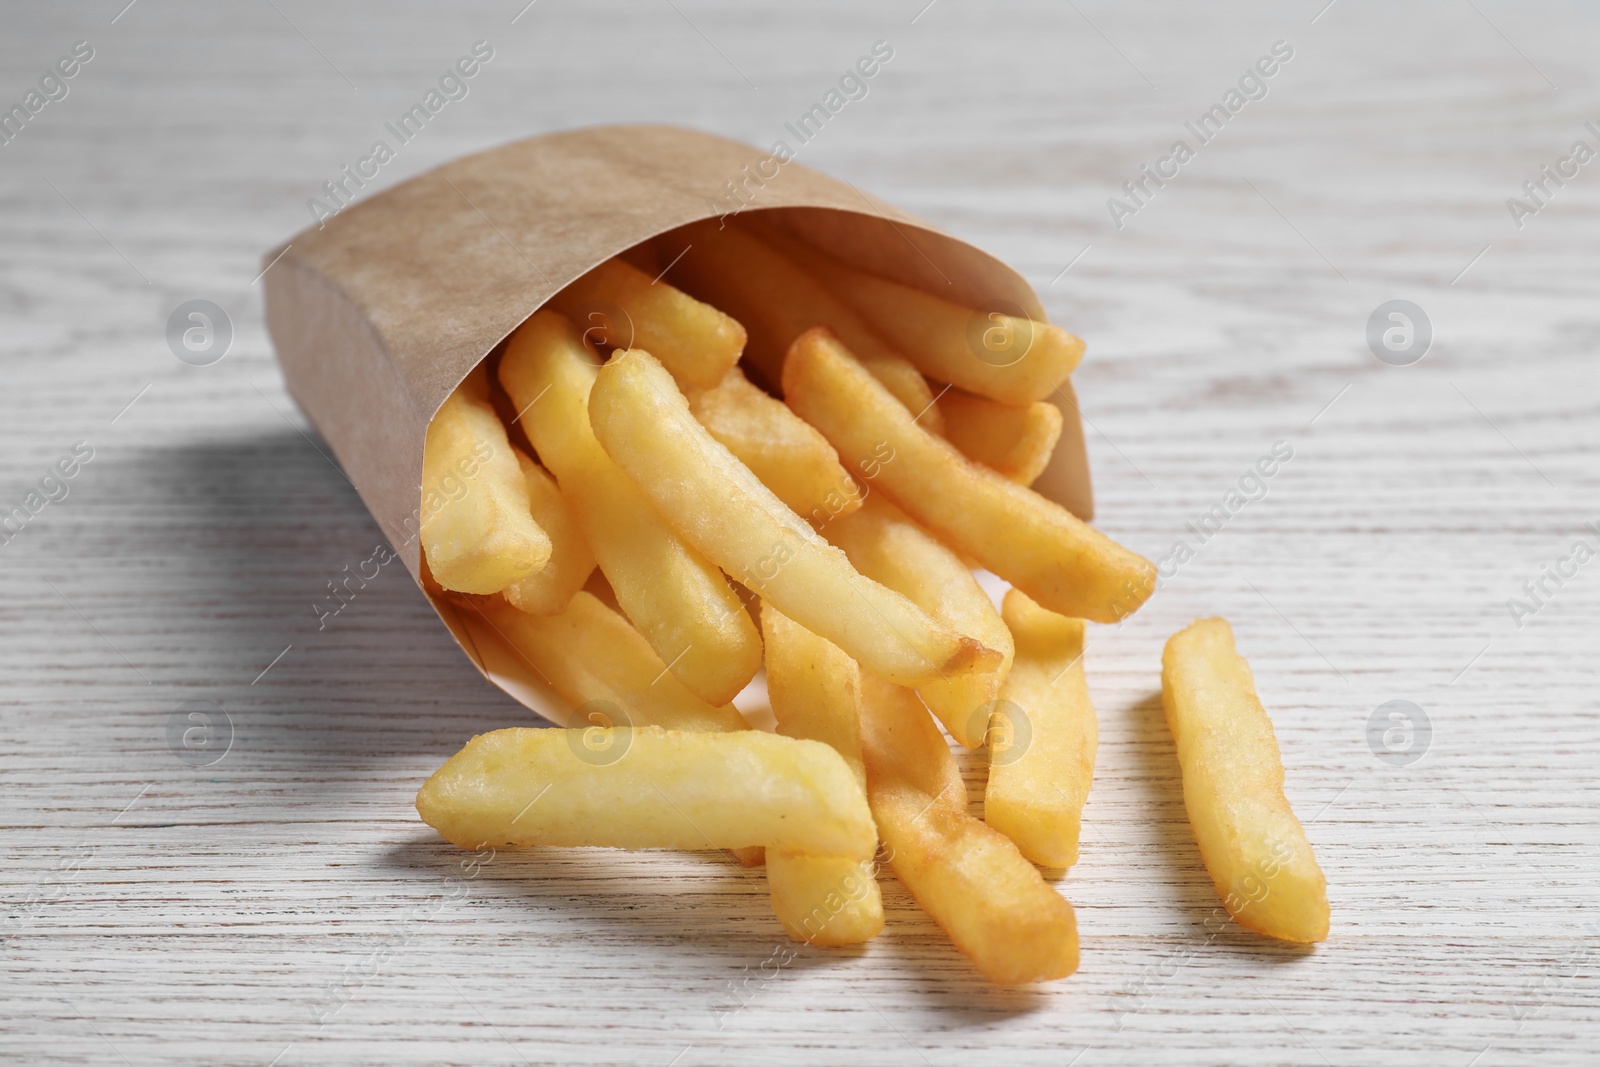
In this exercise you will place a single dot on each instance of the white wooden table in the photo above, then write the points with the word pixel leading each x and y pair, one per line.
pixel 283 904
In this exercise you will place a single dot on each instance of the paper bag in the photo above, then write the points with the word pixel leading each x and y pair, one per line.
pixel 381 310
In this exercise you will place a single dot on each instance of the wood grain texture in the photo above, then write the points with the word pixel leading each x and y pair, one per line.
pixel 158 912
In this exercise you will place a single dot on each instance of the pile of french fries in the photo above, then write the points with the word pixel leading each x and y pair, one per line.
pixel 763 458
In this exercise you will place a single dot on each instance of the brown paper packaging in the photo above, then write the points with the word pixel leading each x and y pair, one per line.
pixel 381 310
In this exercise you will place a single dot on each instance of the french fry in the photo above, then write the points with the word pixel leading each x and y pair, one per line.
pixel 815 691
pixel 825 900
pixel 1038 546
pixel 787 453
pixel 548 591
pixel 723 510
pixel 813 686
pixel 1253 846
pixel 600 664
pixel 677 599
pixel 670 789
pixel 478 533
pixel 1042 737
pixel 906 384
pixel 886 546
pixel 619 306
pixel 1014 440
pixel 597 661
pixel 967 876
pixel 777 301
pixel 1015 360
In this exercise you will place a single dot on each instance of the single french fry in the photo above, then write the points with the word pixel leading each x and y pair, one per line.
pixel 598 662
pixel 1014 440
pixel 777 301
pixel 548 591
pixel 678 600
pixel 1252 844
pixel 1042 736
pixel 906 384
pixel 813 685
pixel 1038 546
pixel 601 665
pixel 1015 360
pixel 815 690
pixel 967 876
pixel 619 306
pixel 787 453
pixel 478 533
pixel 826 900
pixel 723 510
pixel 888 547
pixel 668 789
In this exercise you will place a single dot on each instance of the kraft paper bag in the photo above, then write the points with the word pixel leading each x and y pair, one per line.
pixel 382 309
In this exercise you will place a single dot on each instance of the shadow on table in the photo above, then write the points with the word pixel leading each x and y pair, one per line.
pixel 942 975
pixel 716 910
pixel 1159 763
pixel 723 920
pixel 248 535
pixel 263 522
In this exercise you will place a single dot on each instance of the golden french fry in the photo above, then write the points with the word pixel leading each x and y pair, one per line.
pixel 886 546
pixel 777 301
pixel 906 384
pixel 678 600
pixel 619 306
pixel 1066 565
pixel 967 876
pixel 724 511
pixel 825 900
pixel 815 691
pixel 787 453
pixel 604 668
pixel 598 662
pixel 548 591
pixel 1014 440
pixel 813 686
pixel 1013 359
pixel 1042 737
pixel 1252 844
pixel 666 789
pixel 478 533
